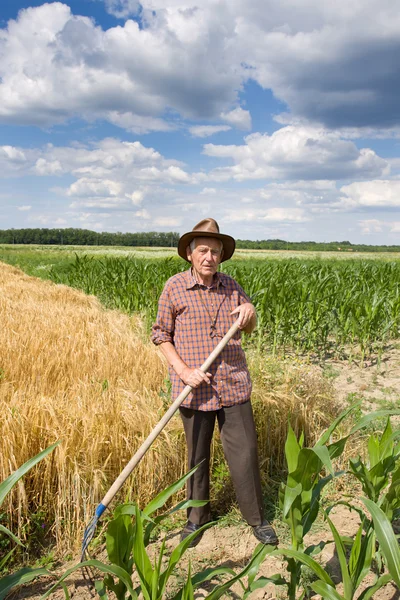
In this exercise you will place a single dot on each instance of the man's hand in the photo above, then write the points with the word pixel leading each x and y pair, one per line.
pixel 194 377
pixel 247 317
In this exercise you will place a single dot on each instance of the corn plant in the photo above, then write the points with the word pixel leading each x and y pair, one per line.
pixel 383 458
pixel 299 497
pixel 127 537
pixel 26 574
pixel 353 569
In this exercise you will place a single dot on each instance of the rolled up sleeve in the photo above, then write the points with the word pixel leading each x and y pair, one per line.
pixel 163 328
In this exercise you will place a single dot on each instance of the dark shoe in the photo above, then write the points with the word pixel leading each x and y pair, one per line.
pixel 265 534
pixel 191 528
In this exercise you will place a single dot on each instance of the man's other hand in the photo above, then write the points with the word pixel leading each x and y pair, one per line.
pixel 247 317
pixel 194 377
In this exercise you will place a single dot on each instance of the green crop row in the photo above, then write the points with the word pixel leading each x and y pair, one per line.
pixel 306 305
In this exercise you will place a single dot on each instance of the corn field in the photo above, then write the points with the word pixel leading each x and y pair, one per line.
pixel 303 305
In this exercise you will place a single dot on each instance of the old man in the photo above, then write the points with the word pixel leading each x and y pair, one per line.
pixel 196 309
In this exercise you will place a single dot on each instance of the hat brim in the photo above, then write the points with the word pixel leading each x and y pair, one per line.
pixel 228 243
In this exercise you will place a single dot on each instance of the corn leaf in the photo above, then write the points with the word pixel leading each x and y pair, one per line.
pixel 22 576
pixel 103 568
pixel 9 483
pixel 10 535
pixel 327 434
pixel 387 539
pixel 326 591
pixel 341 552
pixel 163 496
pixel 292 449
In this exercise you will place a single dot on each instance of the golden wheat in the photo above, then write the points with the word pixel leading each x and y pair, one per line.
pixel 72 371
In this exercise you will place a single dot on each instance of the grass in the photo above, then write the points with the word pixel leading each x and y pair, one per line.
pixel 72 370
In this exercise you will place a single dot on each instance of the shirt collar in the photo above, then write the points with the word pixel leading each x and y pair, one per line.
pixel 191 281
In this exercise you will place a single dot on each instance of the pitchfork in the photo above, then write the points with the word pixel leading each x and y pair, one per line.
pixel 118 483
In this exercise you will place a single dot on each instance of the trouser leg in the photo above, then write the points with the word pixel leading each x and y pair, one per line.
pixel 239 441
pixel 199 428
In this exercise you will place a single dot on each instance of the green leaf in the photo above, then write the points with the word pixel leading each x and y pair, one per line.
pixel 292 449
pixel 163 496
pixel 142 561
pixel 291 493
pixel 387 539
pixel 326 591
pixel 119 540
pixel 22 576
pixel 258 556
pixel 177 553
pixel 109 569
pixel 308 466
pixel 4 560
pixel 371 417
pixel 323 454
pixel 370 591
pixel 306 560
pixel 100 588
pixel 11 535
pixel 9 483
pixel 187 591
pixel 327 434
pixel 373 450
pixel 341 552
pixel 386 441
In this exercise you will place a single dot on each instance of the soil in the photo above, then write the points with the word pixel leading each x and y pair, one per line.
pixel 232 546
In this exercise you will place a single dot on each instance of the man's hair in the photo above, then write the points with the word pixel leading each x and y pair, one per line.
pixel 193 244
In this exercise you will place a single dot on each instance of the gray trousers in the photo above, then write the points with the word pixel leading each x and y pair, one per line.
pixel 239 442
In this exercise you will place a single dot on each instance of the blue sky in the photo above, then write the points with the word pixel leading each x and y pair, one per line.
pixel 279 119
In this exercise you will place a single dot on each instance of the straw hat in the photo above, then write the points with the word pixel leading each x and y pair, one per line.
pixel 207 228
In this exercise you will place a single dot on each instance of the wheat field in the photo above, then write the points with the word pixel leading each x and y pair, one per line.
pixel 72 371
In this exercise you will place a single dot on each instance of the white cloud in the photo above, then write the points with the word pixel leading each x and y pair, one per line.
pixel 104 188
pixel 371 226
pixel 207 130
pixel 167 221
pixel 276 214
pixel 46 167
pixel 194 58
pixel 296 153
pixel 238 117
pixel 371 194
pixel 54 65
pixel 122 8
pixel 24 208
pixel 143 214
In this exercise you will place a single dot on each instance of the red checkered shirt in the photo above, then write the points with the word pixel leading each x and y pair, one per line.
pixel 184 320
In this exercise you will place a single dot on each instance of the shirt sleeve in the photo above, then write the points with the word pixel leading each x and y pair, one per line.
pixel 163 328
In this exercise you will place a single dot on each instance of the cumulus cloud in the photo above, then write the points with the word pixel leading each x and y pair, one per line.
pixel 238 117
pixel 122 8
pixel 207 130
pixel 333 65
pixel 275 215
pixel 296 153
pixel 55 65
pixel 382 194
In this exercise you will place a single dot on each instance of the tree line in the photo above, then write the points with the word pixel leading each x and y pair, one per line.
pixel 86 237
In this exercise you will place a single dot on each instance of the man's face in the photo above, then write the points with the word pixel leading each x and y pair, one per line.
pixel 206 256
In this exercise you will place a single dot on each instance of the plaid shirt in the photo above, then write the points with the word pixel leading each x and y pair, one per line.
pixel 185 312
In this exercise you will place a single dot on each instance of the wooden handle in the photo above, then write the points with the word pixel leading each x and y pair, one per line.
pixel 164 420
